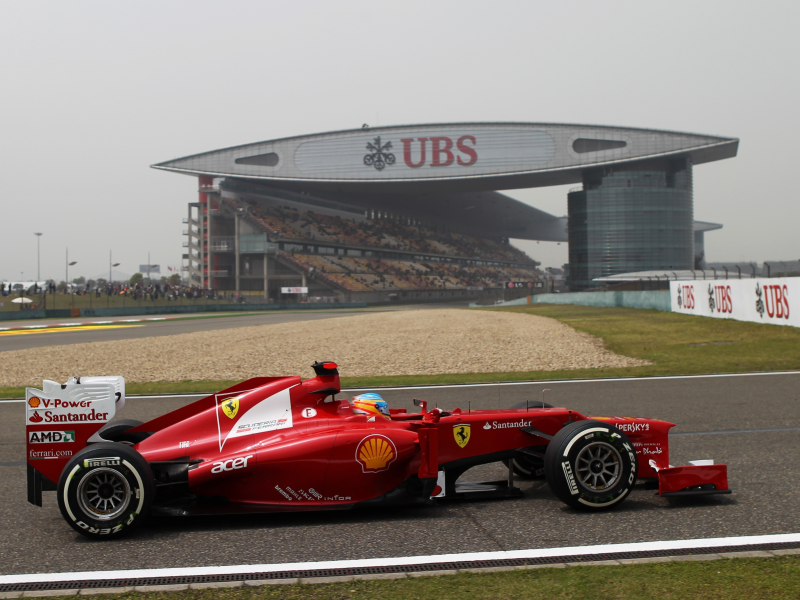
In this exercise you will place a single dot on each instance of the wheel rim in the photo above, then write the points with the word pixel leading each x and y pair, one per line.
pixel 104 494
pixel 598 466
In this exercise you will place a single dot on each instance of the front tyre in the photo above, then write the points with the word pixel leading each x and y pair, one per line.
pixel 105 490
pixel 591 465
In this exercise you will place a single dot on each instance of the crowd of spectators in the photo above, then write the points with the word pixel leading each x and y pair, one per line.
pixel 154 291
pixel 390 234
pixel 369 275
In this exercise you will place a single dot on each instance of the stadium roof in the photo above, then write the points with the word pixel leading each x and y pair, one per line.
pixel 451 156
pixel 671 275
pixel 450 172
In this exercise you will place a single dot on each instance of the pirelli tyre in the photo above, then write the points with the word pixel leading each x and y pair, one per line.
pixel 106 490
pixel 591 465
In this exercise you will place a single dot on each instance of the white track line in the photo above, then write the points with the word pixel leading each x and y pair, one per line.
pixel 496 384
pixel 559 381
pixel 88 323
pixel 403 560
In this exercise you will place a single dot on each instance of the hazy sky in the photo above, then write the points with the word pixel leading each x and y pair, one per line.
pixel 95 92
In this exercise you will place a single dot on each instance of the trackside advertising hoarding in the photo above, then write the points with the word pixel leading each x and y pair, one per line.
pixel 775 301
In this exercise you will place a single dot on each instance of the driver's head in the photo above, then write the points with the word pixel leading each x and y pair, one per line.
pixel 371 405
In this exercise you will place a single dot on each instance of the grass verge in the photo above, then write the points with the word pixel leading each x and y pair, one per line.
pixel 676 345
pixel 736 579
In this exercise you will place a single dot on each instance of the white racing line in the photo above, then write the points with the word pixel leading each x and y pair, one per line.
pixel 405 560
pixel 59 325
pixel 489 384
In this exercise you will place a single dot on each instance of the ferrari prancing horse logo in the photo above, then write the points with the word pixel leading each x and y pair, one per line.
pixel 461 433
pixel 230 407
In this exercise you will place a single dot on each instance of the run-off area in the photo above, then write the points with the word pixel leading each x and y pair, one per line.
pixel 761 468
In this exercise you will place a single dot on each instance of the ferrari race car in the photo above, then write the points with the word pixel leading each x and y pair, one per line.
pixel 273 444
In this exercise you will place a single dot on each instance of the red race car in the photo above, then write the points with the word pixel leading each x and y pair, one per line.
pixel 273 444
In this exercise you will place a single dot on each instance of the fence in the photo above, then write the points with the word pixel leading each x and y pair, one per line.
pixel 657 300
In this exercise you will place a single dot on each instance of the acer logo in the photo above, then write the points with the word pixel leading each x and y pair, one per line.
pixel 232 464
pixel 443 152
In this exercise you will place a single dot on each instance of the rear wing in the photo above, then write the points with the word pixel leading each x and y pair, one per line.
pixel 60 419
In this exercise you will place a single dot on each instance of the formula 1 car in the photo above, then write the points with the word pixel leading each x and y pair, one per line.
pixel 273 444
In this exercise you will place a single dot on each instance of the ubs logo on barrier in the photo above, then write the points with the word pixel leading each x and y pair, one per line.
pixel 686 296
pixel 719 296
pixel 775 301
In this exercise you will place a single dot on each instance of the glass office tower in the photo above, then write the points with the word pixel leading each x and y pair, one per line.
pixel 639 218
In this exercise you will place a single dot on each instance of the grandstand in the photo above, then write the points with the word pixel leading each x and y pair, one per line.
pixel 283 239
pixel 415 211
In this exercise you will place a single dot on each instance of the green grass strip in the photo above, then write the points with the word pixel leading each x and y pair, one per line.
pixel 724 579
pixel 676 345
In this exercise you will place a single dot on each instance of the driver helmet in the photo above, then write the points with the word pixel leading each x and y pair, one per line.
pixel 371 405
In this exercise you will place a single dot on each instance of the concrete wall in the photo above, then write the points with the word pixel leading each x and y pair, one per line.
pixel 164 310
pixel 658 300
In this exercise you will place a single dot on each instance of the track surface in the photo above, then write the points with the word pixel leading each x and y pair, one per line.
pixel 762 473
pixel 173 326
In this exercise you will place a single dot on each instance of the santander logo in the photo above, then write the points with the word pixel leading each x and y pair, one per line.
pixel 440 150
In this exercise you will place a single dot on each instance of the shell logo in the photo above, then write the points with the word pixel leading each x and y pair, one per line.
pixel 34 402
pixel 375 453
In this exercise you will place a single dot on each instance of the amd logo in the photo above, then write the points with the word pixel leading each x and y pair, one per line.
pixel 442 153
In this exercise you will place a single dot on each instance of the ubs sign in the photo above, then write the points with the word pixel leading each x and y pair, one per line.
pixel 425 153
pixel 442 153
pixel 757 300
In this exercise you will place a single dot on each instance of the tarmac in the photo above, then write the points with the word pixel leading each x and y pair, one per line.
pixel 750 422
pixel 39 333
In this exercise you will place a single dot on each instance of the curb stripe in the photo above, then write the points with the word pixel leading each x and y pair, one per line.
pixel 405 560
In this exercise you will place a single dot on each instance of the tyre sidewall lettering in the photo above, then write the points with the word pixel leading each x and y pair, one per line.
pixel 129 465
pixel 564 477
pixel 621 487
pixel 94 526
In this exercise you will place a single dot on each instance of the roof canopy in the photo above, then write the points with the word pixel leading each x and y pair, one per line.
pixel 450 172
pixel 451 156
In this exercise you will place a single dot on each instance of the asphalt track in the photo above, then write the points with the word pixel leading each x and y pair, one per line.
pixel 751 422
pixel 126 328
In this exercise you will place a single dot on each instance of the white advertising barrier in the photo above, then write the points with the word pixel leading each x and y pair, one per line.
pixel 775 301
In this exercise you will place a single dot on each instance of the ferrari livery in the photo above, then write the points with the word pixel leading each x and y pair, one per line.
pixel 273 444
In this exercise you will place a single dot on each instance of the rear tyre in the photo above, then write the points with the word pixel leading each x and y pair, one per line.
pixel 105 490
pixel 591 465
